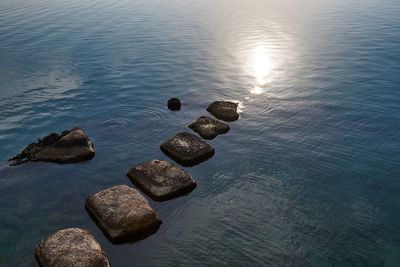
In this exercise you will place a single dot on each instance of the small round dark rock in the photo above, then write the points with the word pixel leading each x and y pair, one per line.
pixel 174 104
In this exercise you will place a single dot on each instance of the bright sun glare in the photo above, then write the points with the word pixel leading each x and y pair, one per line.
pixel 261 65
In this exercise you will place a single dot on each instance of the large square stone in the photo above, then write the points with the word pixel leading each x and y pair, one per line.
pixel 209 128
pixel 187 149
pixel 161 180
pixel 71 247
pixel 123 214
pixel 224 110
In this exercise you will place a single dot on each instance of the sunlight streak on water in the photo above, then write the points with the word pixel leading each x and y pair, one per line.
pixel 261 65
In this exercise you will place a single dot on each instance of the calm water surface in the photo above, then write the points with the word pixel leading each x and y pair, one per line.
pixel 310 174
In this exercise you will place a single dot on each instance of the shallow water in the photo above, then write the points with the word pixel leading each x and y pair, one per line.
pixel 309 175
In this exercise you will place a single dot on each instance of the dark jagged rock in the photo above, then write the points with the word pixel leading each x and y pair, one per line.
pixel 187 149
pixel 174 104
pixel 68 147
pixel 209 128
pixel 224 110
pixel 71 247
pixel 161 180
pixel 123 214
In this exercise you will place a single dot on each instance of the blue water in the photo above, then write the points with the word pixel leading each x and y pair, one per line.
pixel 309 175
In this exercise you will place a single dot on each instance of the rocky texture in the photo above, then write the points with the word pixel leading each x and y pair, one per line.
pixel 161 180
pixel 209 128
pixel 123 214
pixel 174 104
pixel 224 110
pixel 71 247
pixel 69 146
pixel 187 149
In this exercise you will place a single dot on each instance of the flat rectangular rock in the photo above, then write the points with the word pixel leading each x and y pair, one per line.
pixel 209 128
pixel 161 180
pixel 71 247
pixel 224 110
pixel 187 149
pixel 123 214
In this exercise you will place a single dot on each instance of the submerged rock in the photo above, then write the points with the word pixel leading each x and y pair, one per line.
pixel 174 104
pixel 209 128
pixel 187 149
pixel 161 180
pixel 69 146
pixel 224 110
pixel 123 214
pixel 71 247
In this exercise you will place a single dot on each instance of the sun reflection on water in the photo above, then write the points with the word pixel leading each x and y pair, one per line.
pixel 260 67
pixel 257 90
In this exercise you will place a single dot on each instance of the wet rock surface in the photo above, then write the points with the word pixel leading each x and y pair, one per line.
pixel 224 110
pixel 161 180
pixel 187 149
pixel 209 128
pixel 174 104
pixel 71 247
pixel 68 147
pixel 123 214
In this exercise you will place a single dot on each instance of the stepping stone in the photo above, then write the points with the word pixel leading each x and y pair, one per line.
pixel 123 214
pixel 161 180
pixel 209 128
pixel 224 110
pixel 71 247
pixel 69 146
pixel 187 149
pixel 174 104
